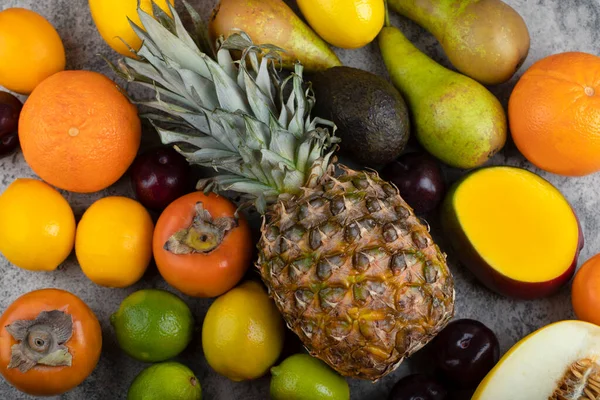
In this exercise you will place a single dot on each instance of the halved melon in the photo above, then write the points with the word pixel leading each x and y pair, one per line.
pixel 557 362
pixel 513 230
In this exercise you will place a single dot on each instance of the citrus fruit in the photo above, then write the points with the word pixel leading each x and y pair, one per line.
pixel 165 381
pixel 242 334
pixel 79 132
pixel 202 230
pixel 37 225
pixel 554 114
pixel 585 292
pixel 111 16
pixel 114 241
pixel 56 336
pixel 153 325
pixel 30 50
pixel 302 377
pixel 348 24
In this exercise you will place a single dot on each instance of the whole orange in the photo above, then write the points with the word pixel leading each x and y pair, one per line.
pixel 78 131
pixel 30 50
pixel 554 114
pixel 585 293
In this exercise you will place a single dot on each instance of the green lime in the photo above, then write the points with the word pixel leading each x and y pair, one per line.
pixel 153 325
pixel 302 377
pixel 165 381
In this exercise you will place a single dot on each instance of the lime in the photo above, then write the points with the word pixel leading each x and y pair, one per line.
pixel 302 377
pixel 243 333
pixel 165 381
pixel 153 325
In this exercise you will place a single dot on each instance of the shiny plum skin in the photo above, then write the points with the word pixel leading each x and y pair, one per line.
pixel 419 178
pixel 465 351
pixel 159 176
pixel 418 387
pixel 10 109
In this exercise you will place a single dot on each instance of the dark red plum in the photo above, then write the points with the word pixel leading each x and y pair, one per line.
pixel 419 178
pixel 10 109
pixel 465 351
pixel 418 387
pixel 160 176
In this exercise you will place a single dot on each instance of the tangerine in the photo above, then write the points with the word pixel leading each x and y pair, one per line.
pixel 78 131
pixel 554 114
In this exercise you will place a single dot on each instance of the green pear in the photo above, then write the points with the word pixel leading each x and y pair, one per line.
pixel 455 118
pixel 484 39
pixel 273 22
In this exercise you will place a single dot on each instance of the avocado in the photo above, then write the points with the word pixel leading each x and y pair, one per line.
pixel 371 115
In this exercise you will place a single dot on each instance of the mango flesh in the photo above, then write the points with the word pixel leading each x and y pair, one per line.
pixel 273 22
pixel 557 362
pixel 484 39
pixel 456 119
pixel 513 230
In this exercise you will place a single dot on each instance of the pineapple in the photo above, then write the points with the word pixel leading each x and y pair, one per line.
pixel 354 272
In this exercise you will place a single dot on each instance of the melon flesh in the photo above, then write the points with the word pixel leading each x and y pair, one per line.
pixel 557 362
pixel 518 223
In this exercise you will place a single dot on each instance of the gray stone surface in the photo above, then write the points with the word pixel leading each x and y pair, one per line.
pixel 555 26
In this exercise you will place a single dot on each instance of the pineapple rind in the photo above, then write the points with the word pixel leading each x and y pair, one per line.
pixel 355 274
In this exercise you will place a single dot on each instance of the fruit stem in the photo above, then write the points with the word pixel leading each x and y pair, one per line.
pixel 387 14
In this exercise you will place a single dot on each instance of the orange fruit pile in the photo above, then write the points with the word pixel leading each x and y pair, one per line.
pixel 554 114
pixel 78 131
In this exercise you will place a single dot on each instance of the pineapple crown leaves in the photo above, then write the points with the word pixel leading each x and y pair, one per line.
pixel 235 116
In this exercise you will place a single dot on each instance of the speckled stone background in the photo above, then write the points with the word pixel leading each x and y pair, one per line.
pixel 555 26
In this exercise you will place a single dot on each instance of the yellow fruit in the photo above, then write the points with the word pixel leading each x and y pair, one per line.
pixel 30 50
pixel 37 225
pixel 114 242
pixel 242 334
pixel 348 24
pixel 111 16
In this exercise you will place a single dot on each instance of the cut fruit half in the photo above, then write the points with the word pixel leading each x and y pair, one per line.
pixel 557 362
pixel 514 230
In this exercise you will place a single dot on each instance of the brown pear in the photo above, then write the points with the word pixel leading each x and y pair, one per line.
pixel 486 40
pixel 273 22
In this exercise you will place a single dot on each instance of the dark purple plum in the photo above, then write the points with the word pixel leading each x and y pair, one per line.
pixel 160 176
pixel 10 109
pixel 465 351
pixel 418 387
pixel 419 178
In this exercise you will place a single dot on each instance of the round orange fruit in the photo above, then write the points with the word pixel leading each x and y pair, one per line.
pixel 30 50
pixel 78 131
pixel 585 293
pixel 554 114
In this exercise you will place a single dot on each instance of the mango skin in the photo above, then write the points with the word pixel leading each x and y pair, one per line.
pixel 487 275
pixel 456 119
pixel 484 39
pixel 273 22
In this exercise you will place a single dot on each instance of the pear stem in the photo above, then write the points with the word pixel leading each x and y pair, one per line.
pixel 387 14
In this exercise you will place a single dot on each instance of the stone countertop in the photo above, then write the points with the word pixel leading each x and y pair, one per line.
pixel 555 26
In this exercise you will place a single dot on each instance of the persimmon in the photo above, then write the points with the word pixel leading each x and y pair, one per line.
pixel 201 246
pixel 50 342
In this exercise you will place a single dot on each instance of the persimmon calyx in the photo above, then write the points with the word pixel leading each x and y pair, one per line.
pixel 41 341
pixel 204 234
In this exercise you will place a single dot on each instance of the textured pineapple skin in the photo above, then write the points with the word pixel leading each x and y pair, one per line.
pixel 355 273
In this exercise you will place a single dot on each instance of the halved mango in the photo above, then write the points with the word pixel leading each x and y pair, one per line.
pixel 514 230
pixel 557 362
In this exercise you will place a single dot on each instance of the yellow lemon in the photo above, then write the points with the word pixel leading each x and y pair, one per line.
pixel 348 24
pixel 114 242
pixel 111 16
pixel 37 225
pixel 30 50
pixel 243 332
